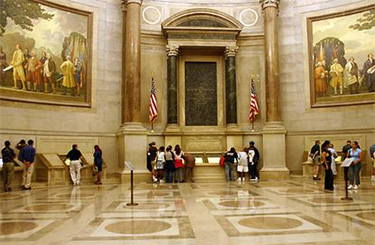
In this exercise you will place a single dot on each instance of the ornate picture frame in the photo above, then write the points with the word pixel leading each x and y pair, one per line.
pixel 339 49
pixel 45 54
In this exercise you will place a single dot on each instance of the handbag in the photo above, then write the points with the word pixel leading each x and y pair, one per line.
pixel 222 158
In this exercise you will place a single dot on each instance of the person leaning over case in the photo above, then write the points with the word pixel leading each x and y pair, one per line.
pixel 75 166
pixel 8 165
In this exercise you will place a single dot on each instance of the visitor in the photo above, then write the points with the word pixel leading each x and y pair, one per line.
pixel 169 164
pixel 333 156
pixel 98 162
pixel 178 163
pixel 8 166
pixel 372 155
pixel 327 160
pixel 28 157
pixel 189 167
pixel 345 149
pixel 160 164
pixel 355 167
pixel 151 160
pixel 74 156
pixel 229 158
pixel 20 145
pixel 315 156
pixel 242 166
pixel 253 158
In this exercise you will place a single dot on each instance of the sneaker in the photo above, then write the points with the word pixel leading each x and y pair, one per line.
pixel 355 187
pixel 162 181
pixel 243 179
pixel 350 187
pixel 239 179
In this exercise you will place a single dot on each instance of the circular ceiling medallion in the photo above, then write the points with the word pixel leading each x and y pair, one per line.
pixel 270 223
pixel 151 15
pixel 248 17
pixel 13 227
pixel 138 227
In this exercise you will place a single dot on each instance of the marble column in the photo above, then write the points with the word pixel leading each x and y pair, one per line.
pixel 132 64
pixel 132 136
pixel 172 52
pixel 274 148
pixel 270 16
pixel 230 84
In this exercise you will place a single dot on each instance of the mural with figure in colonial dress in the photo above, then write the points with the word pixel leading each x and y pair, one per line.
pixel 342 61
pixel 45 53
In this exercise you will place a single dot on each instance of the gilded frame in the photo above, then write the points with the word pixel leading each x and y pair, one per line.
pixel 18 95
pixel 329 101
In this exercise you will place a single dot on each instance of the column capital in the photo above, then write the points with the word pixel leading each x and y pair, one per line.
pixel 172 50
pixel 231 51
pixel 126 2
pixel 269 3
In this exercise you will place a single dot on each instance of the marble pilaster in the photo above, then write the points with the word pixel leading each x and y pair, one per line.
pixel 230 83
pixel 172 52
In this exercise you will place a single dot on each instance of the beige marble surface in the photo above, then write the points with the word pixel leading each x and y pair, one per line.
pixel 297 211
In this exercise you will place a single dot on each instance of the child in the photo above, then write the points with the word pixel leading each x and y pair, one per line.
pixel 242 166
pixel 160 164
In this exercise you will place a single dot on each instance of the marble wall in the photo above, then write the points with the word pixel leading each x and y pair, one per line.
pixel 98 123
pixel 102 121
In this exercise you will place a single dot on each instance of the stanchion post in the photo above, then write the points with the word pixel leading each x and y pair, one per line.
pixel 346 198
pixel 132 203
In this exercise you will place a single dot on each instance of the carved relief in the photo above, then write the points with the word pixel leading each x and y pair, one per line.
pixel 269 3
pixel 231 51
pixel 172 50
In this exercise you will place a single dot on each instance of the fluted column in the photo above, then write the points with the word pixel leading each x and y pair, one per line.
pixel 270 16
pixel 172 52
pixel 132 62
pixel 230 84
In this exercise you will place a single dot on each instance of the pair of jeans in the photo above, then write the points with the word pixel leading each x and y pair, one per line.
pixel 169 167
pixel 8 173
pixel 354 173
pixel 253 169
pixel 229 171
pixel 27 174
pixel 179 175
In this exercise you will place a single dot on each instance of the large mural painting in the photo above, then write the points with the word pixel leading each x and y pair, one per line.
pixel 342 61
pixel 45 53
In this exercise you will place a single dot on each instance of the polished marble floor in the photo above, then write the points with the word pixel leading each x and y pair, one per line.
pixel 296 211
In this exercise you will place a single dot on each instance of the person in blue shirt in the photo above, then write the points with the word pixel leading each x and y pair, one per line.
pixel 356 165
pixel 28 156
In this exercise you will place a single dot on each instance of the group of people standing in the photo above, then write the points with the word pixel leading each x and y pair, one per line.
pixel 27 154
pixel 246 160
pixel 326 155
pixel 175 164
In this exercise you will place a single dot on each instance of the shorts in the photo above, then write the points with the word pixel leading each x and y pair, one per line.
pixel 316 161
pixel 159 165
pixel 241 168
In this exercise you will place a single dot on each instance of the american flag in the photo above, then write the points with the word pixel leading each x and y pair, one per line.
pixel 254 109
pixel 153 105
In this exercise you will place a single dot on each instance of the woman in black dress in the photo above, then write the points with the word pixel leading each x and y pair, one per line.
pixel 326 157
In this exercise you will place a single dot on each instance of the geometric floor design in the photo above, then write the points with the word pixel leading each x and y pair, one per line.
pixel 297 211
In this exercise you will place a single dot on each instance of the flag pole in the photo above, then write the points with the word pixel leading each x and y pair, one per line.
pixel 152 123
pixel 252 126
